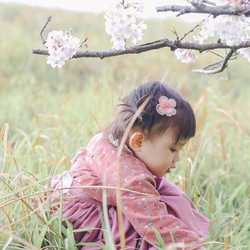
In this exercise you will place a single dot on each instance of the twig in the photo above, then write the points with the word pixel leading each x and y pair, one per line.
pixel 190 31
pixel 197 3
pixel 209 2
pixel 213 65
pixel 85 40
pixel 41 33
pixel 216 54
pixel 223 65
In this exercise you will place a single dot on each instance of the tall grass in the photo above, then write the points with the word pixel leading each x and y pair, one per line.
pixel 47 114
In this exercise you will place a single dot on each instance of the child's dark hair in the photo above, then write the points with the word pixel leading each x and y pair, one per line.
pixel 150 120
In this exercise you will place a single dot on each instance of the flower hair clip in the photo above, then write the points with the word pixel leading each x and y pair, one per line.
pixel 166 106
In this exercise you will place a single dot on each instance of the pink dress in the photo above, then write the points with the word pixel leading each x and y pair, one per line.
pixel 146 201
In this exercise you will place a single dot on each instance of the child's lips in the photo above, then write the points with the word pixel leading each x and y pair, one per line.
pixel 170 169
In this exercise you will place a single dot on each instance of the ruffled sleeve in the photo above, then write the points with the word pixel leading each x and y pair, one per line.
pixel 143 208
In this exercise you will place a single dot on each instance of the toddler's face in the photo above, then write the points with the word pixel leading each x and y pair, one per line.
pixel 161 153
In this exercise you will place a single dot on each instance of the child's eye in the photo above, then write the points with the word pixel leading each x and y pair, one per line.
pixel 173 150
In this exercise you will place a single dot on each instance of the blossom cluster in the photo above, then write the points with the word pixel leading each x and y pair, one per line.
pixel 121 23
pixel 229 29
pixel 185 55
pixel 61 47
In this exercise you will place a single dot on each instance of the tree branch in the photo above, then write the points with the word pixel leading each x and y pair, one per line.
pixel 196 6
pixel 206 9
pixel 152 46
pixel 216 69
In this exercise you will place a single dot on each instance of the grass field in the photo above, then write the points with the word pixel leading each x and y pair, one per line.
pixel 47 114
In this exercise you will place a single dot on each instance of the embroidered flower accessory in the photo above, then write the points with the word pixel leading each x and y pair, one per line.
pixel 166 106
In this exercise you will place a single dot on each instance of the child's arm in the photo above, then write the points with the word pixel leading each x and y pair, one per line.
pixel 145 211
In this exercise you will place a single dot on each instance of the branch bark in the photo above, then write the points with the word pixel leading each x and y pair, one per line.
pixel 152 46
pixel 206 9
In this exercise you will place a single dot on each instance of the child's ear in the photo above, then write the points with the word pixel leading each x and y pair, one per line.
pixel 136 140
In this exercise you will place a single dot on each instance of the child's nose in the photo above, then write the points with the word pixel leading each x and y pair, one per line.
pixel 176 157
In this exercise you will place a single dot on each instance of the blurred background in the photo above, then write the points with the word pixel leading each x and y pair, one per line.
pixel 46 114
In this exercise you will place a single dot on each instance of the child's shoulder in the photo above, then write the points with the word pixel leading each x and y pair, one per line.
pixel 95 139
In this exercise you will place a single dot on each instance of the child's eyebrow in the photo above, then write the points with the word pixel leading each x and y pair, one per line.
pixel 179 145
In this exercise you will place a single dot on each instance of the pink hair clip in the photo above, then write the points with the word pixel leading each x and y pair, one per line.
pixel 166 106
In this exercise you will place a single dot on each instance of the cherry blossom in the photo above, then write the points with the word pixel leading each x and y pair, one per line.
pixel 205 30
pixel 185 55
pixel 121 23
pixel 230 29
pixel 61 47
pixel 231 2
pixel 245 52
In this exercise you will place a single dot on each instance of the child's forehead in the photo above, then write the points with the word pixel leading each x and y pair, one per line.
pixel 170 137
